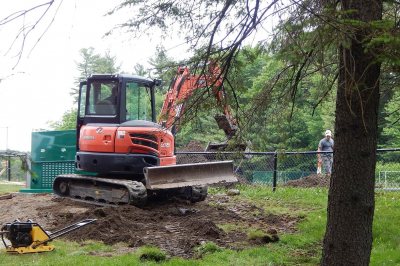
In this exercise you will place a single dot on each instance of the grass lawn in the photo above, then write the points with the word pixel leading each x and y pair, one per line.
pixel 8 188
pixel 300 248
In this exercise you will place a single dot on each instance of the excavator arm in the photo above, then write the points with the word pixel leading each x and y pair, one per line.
pixel 182 88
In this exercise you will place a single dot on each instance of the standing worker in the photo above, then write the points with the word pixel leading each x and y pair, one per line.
pixel 326 145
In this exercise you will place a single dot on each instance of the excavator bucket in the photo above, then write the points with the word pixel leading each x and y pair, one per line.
pixel 226 125
pixel 185 175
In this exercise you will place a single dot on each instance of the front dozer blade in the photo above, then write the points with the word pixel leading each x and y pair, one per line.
pixel 185 175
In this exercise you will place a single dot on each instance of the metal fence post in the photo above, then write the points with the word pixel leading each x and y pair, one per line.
pixel 9 169
pixel 275 171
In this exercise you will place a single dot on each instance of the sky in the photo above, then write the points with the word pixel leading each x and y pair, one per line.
pixel 36 90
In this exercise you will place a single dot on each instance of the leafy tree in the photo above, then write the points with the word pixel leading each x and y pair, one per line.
pixel 388 106
pixel 68 121
pixel 92 63
pixel 140 70
pixel 284 127
pixel 163 67
pixel 392 130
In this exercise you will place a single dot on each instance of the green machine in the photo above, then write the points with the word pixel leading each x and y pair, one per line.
pixel 52 154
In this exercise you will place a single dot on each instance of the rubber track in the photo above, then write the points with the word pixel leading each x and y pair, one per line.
pixel 130 192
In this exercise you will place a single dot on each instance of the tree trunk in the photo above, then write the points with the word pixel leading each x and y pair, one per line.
pixel 348 237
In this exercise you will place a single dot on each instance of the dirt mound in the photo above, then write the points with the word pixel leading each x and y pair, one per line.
pixel 192 146
pixel 174 226
pixel 314 180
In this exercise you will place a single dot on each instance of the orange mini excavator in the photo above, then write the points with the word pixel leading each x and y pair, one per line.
pixel 125 154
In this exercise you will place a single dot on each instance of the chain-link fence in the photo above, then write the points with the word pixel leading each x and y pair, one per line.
pixel 13 166
pixel 388 169
pixel 278 168
pixel 270 168
pixel 254 166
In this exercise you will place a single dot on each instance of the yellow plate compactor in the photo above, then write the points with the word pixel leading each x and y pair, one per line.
pixel 30 237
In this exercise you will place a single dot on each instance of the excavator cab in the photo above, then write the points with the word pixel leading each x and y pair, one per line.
pixel 116 99
pixel 118 133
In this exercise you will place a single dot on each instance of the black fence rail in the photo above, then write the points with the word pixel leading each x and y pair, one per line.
pixel 278 168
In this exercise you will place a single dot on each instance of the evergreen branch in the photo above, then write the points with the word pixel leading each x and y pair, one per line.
pixel 326 92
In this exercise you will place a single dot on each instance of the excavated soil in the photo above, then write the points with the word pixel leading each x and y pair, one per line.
pixel 174 226
pixel 315 180
pixel 192 146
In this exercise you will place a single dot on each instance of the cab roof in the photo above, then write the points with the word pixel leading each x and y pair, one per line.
pixel 122 77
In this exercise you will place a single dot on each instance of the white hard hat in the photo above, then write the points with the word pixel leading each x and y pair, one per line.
pixel 328 133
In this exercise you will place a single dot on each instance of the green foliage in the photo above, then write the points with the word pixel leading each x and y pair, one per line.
pixel 68 121
pixel 150 253
pixel 201 128
pixel 207 248
pixel 264 99
pixel 19 165
pixel 18 169
pixel 9 188
pixel 384 39
pixel 391 132
pixel 139 70
pixel 391 166
pixel 163 67
pixel 255 234
pixel 91 63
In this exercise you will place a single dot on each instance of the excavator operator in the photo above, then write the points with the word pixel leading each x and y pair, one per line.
pixel 108 105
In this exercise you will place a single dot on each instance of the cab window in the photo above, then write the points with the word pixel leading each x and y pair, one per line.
pixel 103 96
pixel 138 102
